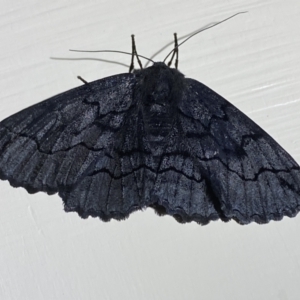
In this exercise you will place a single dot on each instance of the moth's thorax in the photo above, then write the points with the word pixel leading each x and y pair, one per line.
pixel 157 92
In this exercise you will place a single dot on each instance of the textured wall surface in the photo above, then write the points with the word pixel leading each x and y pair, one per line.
pixel 252 60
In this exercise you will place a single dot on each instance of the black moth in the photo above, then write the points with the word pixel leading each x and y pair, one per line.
pixel 151 138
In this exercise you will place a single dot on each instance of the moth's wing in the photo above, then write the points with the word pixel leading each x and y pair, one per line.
pixel 180 187
pixel 245 173
pixel 53 145
pixel 117 182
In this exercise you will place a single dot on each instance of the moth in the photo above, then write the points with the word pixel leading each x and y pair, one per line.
pixel 149 138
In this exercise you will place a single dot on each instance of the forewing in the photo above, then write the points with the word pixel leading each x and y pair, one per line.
pixel 251 177
pixel 51 145
pixel 119 181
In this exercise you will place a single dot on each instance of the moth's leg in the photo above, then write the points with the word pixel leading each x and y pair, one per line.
pixel 83 80
pixel 175 52
pixel 134 54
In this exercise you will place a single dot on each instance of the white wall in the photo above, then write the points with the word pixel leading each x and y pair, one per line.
pixel 252 60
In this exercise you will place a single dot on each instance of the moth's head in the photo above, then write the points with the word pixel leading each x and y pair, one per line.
pixel 158 84
pixel 158 72
pixel 156 67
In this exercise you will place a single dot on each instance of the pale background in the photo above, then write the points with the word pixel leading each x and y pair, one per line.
pixel 252 60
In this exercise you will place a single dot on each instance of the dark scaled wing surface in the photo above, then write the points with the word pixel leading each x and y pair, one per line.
pixel 90 145
pixel 245 173
pixel 67 144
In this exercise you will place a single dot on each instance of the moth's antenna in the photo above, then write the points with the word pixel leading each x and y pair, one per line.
pixel 113 51
pixel 218 23
pixel 175 52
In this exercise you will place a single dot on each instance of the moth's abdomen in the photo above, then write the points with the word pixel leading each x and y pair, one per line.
pixel 158 122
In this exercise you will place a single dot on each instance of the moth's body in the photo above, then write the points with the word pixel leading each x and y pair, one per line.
pixel 158 90
pixel 151 138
